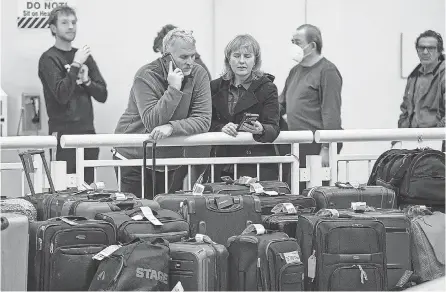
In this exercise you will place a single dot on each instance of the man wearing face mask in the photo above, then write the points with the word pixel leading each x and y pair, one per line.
pixel 311 98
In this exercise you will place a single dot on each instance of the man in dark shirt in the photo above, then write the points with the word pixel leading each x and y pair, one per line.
pixel 70 77
pixel 311 97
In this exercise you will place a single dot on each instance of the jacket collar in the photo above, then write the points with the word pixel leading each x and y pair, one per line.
pixel 220 99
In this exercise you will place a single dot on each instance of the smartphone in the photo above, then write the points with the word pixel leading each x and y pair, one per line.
pixel 166 59
pixel 248 118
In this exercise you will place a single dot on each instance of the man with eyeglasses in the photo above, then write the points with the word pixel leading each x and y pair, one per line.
pixel 423 102
pixel 311 98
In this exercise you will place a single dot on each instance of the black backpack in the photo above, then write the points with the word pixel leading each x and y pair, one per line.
pixel 417 176
pixel 139 265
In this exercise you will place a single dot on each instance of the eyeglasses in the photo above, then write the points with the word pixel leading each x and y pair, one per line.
pixel 430 49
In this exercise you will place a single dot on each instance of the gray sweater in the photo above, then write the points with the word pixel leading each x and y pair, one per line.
pixel 154 103
pixel 312 97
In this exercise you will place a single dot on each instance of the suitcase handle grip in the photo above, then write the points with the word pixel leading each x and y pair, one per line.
pixel 125 205
pixel 27 155
pixel 5 223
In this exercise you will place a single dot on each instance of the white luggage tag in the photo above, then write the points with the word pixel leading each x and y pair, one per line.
pixel 198 189
pixel 312 266
pixel 284 208
pixel 256 188
pixel 120 197
pixel 178 287
pixel 147 212
pixel 106 252
pixel 203 238
pixel 359 206
pixel 292 257
pixel 258 228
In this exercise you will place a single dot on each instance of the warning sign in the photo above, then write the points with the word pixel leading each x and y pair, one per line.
pixel 35 13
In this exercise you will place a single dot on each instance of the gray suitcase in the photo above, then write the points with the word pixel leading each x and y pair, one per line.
pixel 14 252
pixel 199 266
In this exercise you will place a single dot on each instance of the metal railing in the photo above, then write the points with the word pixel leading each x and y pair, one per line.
pixel 22 143
pixel 333 137
pixel 135 140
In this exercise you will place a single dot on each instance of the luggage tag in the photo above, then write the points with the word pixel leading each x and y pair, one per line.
pixel 312 266
pixel 147 212
pixel 223 202
pixel 119 197
pixel 198 189
pixel 178 287
pixel 359 206
pixel 203 238
pixel 292 257
pixel 256 188
pixel 284 208
pixel 106 252
pixel 258 228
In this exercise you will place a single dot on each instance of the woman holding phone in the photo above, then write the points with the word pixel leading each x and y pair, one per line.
pixel 244 93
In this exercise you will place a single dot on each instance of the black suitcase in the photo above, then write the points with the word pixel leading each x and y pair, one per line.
pixel 398 240
pixel 61 251
pixel 267 202
pixel 174 201
pixel 62 203
pixel 199 266
pixel 284 221
pixel 221 216
pixel 281 188
pixel 133 224
pixel 265 262
pixel 342 195
pixel 343 254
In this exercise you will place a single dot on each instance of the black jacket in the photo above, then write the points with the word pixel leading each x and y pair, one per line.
pixel 261 98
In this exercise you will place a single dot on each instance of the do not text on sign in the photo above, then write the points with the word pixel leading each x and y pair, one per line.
pixel 35 13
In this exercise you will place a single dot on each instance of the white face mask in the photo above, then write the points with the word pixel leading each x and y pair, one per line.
pixel 297 53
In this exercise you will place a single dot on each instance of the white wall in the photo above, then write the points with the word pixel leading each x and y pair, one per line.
pixel 362 37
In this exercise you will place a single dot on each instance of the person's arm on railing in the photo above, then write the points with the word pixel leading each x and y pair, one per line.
pixel 270 116
pixel 199 119
pixel 216 124
pixel 153 111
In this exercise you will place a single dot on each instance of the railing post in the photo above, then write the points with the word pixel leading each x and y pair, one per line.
pixel 314 165
pixel 295 175
pixel 80 166
pixel 333 161
pixel 59 175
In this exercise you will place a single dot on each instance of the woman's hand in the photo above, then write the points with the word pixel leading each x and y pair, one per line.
pixel 230 129
pixel 254 128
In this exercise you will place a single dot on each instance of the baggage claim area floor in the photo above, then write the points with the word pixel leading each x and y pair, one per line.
pixel 241 234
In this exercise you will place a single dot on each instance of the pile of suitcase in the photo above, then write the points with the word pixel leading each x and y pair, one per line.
pixel 239 235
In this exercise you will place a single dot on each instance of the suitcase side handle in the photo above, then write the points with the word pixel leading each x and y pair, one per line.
pixel 26 159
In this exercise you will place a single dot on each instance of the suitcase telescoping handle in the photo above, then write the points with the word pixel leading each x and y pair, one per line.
pixel 144 163
pixel 26 158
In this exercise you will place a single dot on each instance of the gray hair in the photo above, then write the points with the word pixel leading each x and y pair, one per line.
pixel 177 33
